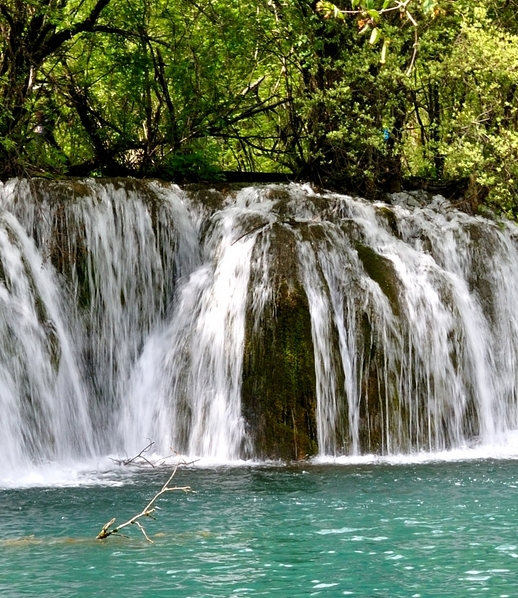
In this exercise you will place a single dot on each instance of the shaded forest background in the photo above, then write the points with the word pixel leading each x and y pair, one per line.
pixel 384 96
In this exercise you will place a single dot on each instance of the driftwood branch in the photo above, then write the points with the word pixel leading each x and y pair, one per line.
pixel 148 511
pixel 140 459
pixel 136 458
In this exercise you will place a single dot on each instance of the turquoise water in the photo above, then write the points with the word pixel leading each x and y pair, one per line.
pixel 427 530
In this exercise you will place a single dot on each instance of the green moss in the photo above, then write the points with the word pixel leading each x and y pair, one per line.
pixel 213 197
pixel 69 254
pixel 381 270
pixel 483 246
pixel 382 412
pixel 279 386
pixel 59 191
pixel 386 216
pixel 371 408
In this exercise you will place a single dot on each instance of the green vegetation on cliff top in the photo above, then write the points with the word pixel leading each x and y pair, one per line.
pixel 368 96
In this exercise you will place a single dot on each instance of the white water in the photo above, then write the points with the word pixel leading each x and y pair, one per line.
pixel 190 369
pixel 444 349
pixel 123 318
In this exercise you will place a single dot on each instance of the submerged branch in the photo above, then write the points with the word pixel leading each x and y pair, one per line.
pixel 147 511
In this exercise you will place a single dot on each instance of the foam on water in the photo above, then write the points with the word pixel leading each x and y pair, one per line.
pixel 507 448
pixel 94 472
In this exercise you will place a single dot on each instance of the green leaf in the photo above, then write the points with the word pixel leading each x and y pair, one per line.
pixel 329 10
pixel 384 50
pixel 374 36
pixel 429 6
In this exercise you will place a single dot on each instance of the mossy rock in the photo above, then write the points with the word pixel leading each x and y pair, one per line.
pixel 212 197
pixel 382 271
pixel 384 416
pixel 59 191
pixel 387 218
pixel 371 407
pixel 484 244
pixel 279 386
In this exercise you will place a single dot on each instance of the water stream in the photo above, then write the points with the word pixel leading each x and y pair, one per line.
pixel 126 313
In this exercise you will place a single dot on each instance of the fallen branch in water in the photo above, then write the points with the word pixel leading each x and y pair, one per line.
pixel 148 510
pixel 136 457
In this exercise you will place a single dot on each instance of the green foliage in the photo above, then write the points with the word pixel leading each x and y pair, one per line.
pixel 464 124
pixel 481 140
pixel 451 113
pixel 191 166
pixel 123 86
pixel 363 95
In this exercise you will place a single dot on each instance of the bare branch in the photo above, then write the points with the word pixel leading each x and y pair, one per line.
pixel 414 53
pixel 136 457
pixel 147 511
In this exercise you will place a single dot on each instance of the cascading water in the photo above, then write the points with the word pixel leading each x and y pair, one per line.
pixel 270 322
pixel 42 401
pixel 190 370
pixel 427 336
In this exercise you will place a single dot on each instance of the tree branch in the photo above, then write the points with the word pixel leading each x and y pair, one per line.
pixel 136 457
pixel 56 40
pixel 147 511
pixel 7 15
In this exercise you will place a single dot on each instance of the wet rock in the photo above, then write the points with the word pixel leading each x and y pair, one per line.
pixel 279 386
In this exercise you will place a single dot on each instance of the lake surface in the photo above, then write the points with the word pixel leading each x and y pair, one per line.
pixel 371 530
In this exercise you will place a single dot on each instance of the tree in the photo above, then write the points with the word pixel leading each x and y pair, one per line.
pixel 367 96
pixel 443 96
pixel 138 87
pixel 31 33
pixel 353 103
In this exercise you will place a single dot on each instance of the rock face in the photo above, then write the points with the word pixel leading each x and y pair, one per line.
pixel 279 386
pixel 255 322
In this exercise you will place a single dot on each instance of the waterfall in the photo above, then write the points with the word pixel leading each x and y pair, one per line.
pixel 437 294
pixel 190 370
pixel 258 322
